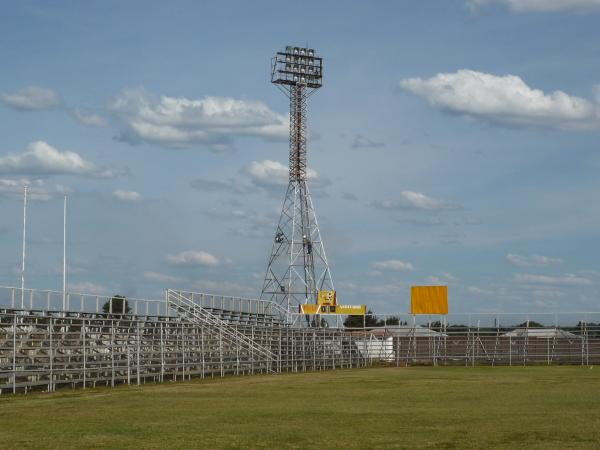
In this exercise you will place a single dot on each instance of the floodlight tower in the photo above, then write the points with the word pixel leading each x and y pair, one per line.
pixel 297 268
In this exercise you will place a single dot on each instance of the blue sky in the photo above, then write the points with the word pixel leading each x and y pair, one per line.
pixel 454 142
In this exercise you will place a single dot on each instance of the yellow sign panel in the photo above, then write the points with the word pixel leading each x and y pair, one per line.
pixel 309 309
pixel 326 298
pixel 429 300
pixel 352 310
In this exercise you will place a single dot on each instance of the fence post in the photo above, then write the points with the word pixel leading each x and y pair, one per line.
pixel 51 385
pixel 162 355
pixel 221 349
pixel 202 348
pixel 138 352
pixel 14 377
pixel 112 349
pixel 84 356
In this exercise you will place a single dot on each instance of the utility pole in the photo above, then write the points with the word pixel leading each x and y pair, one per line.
pixel 64 302
pixel 24 240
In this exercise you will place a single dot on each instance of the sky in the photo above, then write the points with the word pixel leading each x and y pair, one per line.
pixel 453 142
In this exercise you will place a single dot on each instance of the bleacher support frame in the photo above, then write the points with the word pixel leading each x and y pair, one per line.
pixel 201 335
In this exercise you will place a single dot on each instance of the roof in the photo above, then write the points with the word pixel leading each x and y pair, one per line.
pixel 398 330
pixel 543 333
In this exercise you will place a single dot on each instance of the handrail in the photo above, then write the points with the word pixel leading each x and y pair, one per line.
pixel 49 300
pixel 189 309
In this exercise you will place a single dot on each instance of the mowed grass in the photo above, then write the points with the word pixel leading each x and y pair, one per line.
pixel 443 407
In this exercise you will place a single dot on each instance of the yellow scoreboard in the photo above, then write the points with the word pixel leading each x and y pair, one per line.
pixel 327 304
pixel 429 300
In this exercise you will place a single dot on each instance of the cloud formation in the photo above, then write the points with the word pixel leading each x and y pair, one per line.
pixel 31 98
pixel 532 260
pixel 86 287
pixel 88 117
pixel 162 278
pixel 268 175
pixel 193 258
pixel 522 6
pixel 410 200
pixel 41 159
pixel 559 280
pixel 181 122
pixel 392 264
pixel 505 100
pixel 127 196
pixel 36 189
pixel 37 98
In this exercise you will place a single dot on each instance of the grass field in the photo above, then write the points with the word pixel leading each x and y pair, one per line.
pixel 454 407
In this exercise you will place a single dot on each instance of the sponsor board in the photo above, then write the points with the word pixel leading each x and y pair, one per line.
pixel 346 310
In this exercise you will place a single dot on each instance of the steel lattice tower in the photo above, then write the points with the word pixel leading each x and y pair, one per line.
pixel 297 268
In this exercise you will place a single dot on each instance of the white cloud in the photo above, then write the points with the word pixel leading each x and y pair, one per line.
pixel 267 173
pixel 31 98
pixel 532 261
pixel 180 122
pixel 127 196
pixel 36 189
pixel 271 174
pixel 541 5
pixel 560 280
pixel 192 258
pixel 162 278
pixel 443 278
pixel 85 287
pixel 88 117
pixel 479 291
pixel 415 201
pixel 505 100
pixel 42 159
pixel 392 264
pixel 548 293
pixel 596 91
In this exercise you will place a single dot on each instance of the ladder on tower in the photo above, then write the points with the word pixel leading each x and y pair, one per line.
pixel 187 309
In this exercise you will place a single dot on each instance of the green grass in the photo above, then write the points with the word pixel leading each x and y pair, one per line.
pixel 454 407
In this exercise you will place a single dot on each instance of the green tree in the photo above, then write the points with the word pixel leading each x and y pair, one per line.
pixel 388 321
pixel 532 324
pixel 367 321
pixel 120 305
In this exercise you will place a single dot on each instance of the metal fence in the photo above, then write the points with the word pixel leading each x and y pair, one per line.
pixel 46 351
pixel 47 300
pixel 91 340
